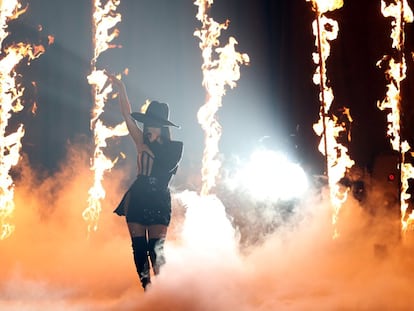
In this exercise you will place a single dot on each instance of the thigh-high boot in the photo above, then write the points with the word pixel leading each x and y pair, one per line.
pixel 156 252
pixel 140 250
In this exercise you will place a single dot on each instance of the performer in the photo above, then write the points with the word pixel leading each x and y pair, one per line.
pixel 147 203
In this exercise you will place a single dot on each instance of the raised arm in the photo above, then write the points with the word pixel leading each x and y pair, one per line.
pixel 134 130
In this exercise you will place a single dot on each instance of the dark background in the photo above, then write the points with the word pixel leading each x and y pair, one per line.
pixel 275 95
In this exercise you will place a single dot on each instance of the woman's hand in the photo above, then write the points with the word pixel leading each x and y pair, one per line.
pixel 125 106
pixel 115 81
pixel 119 86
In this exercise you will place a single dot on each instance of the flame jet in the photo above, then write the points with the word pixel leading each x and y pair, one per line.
pixel 401 13
pixel 329 127
pixel 10 99
pixel 105 18
pixel 217 74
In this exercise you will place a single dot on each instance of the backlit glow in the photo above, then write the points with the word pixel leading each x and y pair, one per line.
pixel 270 176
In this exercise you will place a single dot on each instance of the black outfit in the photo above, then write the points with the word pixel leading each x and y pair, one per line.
pixel 148 202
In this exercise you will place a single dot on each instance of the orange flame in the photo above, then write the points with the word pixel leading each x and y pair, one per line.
pixel 217 73
pixel 407 172
pixel 401 13
pixel 328 127
pixel 10 99
pixel 105 19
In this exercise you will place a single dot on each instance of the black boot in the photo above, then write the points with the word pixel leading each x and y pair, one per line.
pixel 140 250
pixel 156 252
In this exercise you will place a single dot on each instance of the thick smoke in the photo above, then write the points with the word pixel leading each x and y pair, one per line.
pixel 219 257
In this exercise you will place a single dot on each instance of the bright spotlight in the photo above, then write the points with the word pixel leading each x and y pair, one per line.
pixel 269 175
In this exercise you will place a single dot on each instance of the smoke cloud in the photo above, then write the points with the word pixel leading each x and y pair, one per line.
pixel 224 252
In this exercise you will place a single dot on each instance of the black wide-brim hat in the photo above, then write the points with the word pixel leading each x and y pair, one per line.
pixel 156 115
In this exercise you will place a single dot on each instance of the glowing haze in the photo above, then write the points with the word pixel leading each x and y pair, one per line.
pixel 270 176
pixel 50 265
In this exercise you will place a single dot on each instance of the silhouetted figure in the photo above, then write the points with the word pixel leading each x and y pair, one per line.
pixel 147 203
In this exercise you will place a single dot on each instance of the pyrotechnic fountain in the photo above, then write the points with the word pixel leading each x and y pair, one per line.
pixel 336 155
pixel 401 13
pixel 104 18
pixel 10 98
pixel 205 208
pixel 217 74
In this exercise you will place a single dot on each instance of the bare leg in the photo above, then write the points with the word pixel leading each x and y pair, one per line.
pixel 156 239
